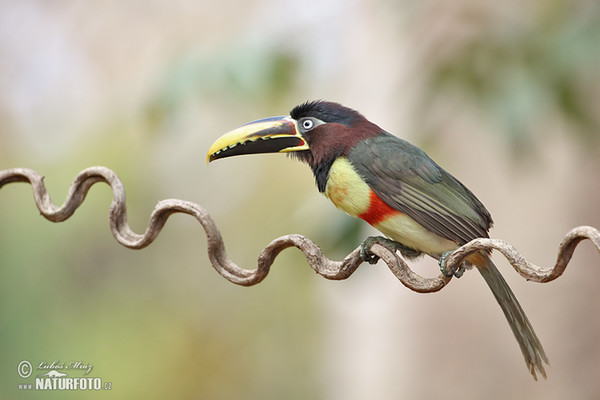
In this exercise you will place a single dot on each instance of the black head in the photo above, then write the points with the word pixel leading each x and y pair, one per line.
pixel 327 112
pixel 330 130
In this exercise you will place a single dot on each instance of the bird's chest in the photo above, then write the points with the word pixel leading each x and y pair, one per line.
pixel 346 189
pixel 349 192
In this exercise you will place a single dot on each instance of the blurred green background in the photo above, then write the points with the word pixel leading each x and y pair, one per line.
pixel 506 96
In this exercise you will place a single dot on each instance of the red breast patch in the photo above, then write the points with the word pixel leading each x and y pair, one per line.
pixel 378 210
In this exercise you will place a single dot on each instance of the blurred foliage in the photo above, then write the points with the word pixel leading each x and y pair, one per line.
pixel 522 76
pixel 245 76
pixel 81 296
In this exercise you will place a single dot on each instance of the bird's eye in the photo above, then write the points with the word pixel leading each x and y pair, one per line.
pixel 307 124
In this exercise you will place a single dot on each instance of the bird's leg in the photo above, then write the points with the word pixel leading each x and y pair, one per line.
pixel 448 273
pixel 365 248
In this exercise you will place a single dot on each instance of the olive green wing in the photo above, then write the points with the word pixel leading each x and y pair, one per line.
pixel 406 179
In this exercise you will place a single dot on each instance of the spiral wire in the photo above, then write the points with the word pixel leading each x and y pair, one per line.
pixel 329 269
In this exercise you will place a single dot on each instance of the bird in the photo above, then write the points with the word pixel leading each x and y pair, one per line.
pixel 392 185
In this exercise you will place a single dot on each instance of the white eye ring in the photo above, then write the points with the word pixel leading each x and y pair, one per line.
pixel 307 124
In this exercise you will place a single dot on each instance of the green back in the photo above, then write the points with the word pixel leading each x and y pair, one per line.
pixel 406 179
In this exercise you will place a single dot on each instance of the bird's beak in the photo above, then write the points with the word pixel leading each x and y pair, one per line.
pixel 268 135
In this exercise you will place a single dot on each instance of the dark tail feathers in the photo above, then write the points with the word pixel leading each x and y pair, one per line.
pixel 530 345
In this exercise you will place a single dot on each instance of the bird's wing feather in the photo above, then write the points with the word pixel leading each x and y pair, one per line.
pixel 406 179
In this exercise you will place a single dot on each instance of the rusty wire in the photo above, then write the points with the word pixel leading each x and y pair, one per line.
pixel 330 269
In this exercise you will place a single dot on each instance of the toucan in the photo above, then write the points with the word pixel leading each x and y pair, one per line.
pixel 391 184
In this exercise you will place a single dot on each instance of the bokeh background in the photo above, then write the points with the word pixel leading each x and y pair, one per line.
pixel 505 95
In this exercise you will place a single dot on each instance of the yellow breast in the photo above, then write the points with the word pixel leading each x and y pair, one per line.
pixel 346 189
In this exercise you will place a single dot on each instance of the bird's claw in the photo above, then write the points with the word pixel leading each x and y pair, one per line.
pixel 365 249
pixel 367 256
pixel 450 272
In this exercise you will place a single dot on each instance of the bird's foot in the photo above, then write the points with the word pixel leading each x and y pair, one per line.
pixel 367 256
pixel 449 272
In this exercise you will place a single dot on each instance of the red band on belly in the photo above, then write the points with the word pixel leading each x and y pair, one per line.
pixel 378 210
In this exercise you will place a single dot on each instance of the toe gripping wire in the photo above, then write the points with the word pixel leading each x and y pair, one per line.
pixel 329 269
